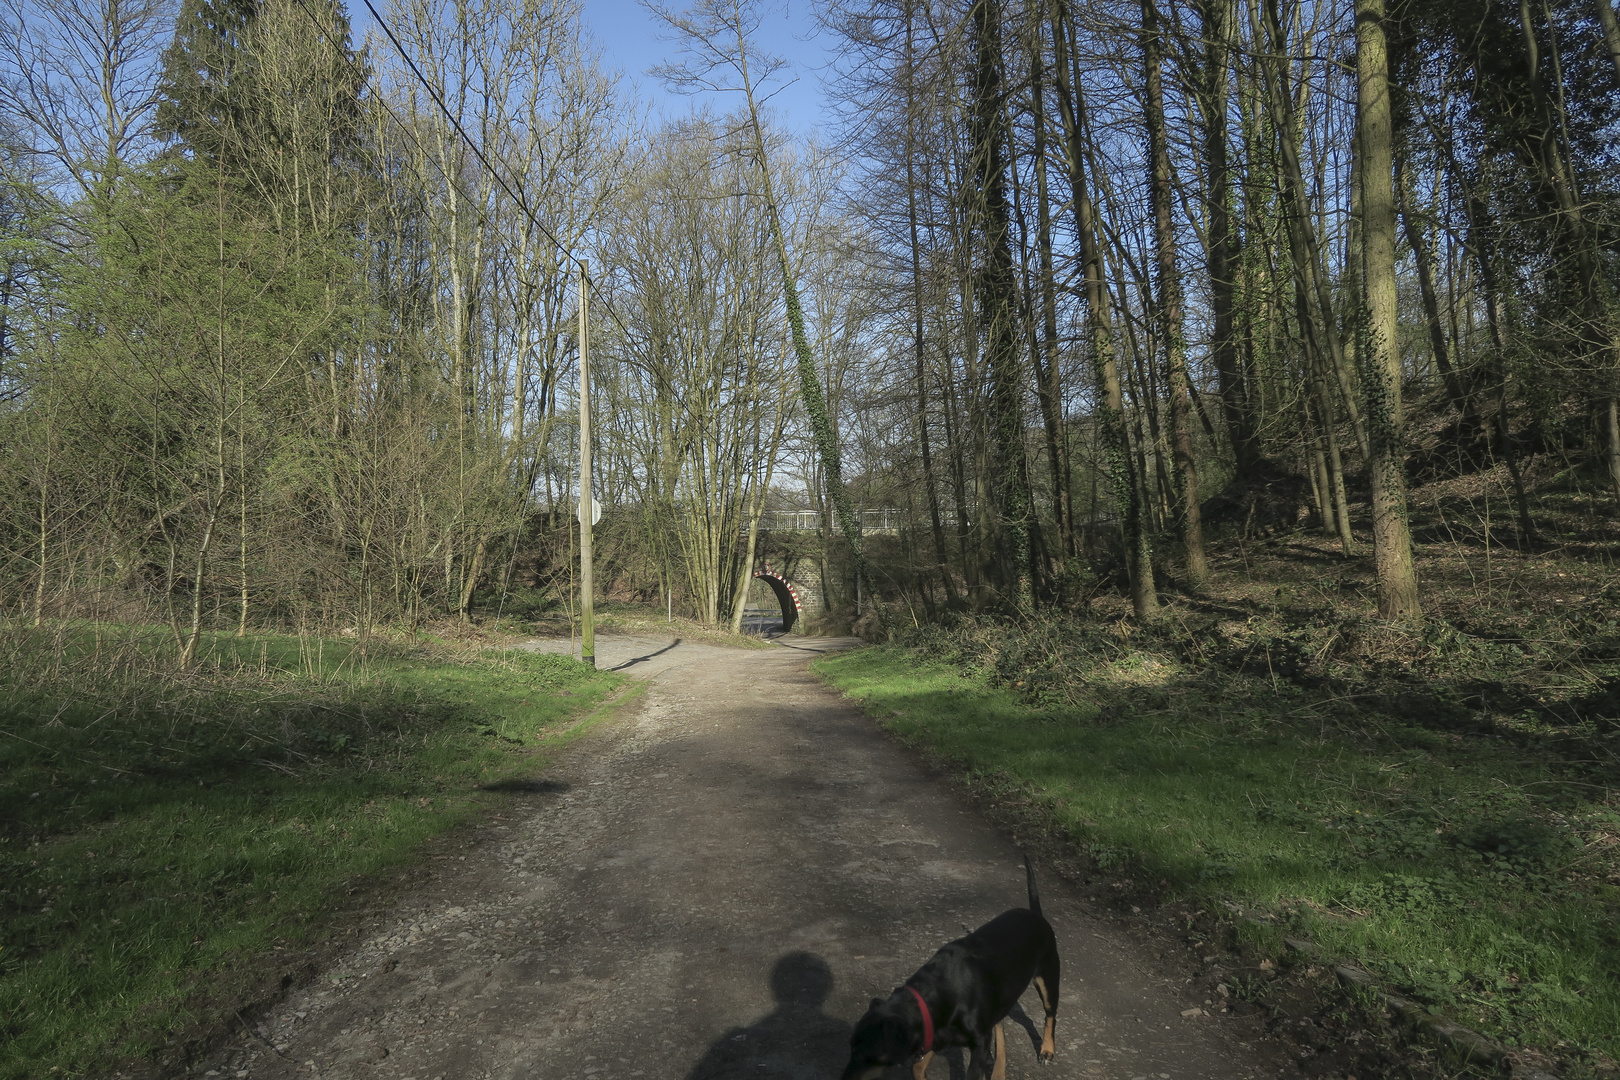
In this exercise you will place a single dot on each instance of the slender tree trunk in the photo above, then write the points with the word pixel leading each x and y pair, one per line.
pixel 1418 240
pixel 44 534
pixel 1381 361
pixel 1169 300
pixel 1316 380
pixel 919 338
pixel 1600 332
pixel 188 650
pixel 1048 377
pixel 1481 244
pixel 964 528
pixel 470 582
pixel 1614 441
pixel 1028 294
pixel 1611 30
pixel 1221 253
pixel 241 551
pixel 1510 454
pixel 997 302
pixel 1321 323
pixel 1335 457
pixel 216 497
pixel 1113 449
pixel 756 509
pixel 1316 465
pixel 1141 410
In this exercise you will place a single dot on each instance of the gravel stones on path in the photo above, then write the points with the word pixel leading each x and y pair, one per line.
pixel 713 886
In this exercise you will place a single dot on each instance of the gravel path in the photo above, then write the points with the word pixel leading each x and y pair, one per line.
pixel 713 886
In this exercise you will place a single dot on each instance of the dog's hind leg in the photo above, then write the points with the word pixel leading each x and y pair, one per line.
pixel 919 1071
pixel 1046 984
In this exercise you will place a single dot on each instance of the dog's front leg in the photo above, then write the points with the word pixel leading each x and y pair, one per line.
pixel 979 1065
pixel 919 1071
pixel 1000 1071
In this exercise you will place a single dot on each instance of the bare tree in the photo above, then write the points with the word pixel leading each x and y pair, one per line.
pixel 79 77
pixel 716 35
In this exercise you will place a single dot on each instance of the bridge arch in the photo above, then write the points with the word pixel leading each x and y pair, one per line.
pixel 787 595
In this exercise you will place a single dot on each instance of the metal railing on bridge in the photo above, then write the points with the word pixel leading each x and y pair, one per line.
pixel 873 520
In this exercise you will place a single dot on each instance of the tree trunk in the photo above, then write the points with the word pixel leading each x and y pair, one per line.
pixel 1418 240
pixel 1611 30
pixel 919 339
pixel 1600 333
pixel 470 581
pixel 1319 319
pixel 1169 300
pixel 1113 448
pixel 1048 381
pixel 1613 426
pixel 756 508
pixel 188 647
pixel 997 302
pixel 1221 253
pixel 1392 540
pixel 1335 457
pixel 1316 467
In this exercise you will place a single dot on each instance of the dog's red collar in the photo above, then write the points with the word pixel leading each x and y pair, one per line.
pixel 928 1020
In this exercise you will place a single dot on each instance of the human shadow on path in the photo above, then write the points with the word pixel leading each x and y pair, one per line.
pixel 797 1041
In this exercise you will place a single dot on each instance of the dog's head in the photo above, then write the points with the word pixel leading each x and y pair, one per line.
pixel 882 1038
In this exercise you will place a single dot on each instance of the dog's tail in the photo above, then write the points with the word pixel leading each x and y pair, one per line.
pixel 1029 875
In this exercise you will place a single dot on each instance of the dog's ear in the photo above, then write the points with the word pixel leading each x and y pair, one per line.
pixel 875 1003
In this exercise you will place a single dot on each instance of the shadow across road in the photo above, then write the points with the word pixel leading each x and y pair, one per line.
pixel 634 660
pixel 796 1041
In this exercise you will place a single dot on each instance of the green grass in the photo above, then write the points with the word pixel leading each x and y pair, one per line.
pixel 1473 873
pixel 165 839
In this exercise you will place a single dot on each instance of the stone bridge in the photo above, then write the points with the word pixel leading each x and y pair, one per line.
pixel 796 598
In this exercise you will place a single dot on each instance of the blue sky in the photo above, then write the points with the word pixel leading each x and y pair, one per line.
pixel 631 43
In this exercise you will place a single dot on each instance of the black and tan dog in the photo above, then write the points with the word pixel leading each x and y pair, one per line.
pixel 960 997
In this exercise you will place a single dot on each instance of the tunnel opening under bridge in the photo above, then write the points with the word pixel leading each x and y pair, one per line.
pixel 787 596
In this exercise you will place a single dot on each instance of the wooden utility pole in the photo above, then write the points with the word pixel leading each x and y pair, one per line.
pixel 586 503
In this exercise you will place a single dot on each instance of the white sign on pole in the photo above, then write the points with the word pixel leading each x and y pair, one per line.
pixel 596 512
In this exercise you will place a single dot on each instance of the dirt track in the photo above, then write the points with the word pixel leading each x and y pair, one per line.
pixel 713 886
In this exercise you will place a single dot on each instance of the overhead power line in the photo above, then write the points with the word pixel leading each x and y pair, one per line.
pixel 443 108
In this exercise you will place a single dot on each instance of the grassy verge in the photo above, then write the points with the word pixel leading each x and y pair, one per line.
pixel 159 834
pixel 1473 869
